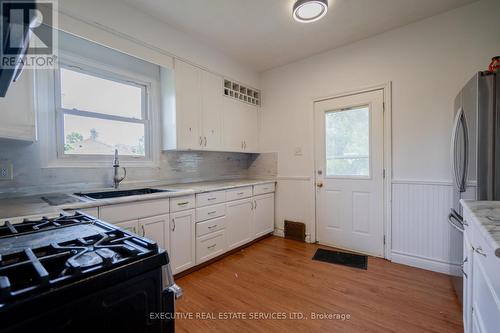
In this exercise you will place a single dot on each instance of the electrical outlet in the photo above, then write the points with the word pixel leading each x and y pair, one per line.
pixel 298 151
pixel 6 170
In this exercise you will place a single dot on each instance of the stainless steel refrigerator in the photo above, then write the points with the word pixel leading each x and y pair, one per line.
pixel 475 151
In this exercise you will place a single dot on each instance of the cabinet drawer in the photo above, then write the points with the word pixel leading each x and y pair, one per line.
pixel 210 198
pixel 210 246
pixel 263 189
pixel 203 228
pixel 182 203
pixel 239 193
pixel 210 212
pixel 133 210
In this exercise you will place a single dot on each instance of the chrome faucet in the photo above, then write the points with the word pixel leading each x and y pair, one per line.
pixel 116 165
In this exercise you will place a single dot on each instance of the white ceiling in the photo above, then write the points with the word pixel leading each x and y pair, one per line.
pixel 262 33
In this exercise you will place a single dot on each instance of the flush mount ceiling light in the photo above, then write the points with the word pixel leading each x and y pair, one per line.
pixel 309 10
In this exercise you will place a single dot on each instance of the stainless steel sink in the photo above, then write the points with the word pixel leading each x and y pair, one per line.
pixel 118 194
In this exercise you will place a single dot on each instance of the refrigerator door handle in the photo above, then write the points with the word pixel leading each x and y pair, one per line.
pixel 459 171
pixel 456 221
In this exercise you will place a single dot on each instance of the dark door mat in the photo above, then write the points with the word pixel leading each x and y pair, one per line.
pixel 341 258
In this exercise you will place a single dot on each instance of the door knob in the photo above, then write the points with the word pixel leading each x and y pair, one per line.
pixel 319 185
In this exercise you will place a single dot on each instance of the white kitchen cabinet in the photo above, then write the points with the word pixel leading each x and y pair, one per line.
pixel 194 120
pixel 188 105
pixel 467 282
pixel 211 111
pixel 132 226
pixel 263 214
pixel 17 116
pixel 133 210
pixel 210 246
pixel 241 126
pixel 157 229
pixel 481 305
pixel 239 222
pixel 182 240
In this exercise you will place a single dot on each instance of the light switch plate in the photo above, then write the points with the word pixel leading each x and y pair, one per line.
pixel 6 170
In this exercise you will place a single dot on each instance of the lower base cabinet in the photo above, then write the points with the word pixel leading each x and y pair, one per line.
pixel 210 246
pixel 182 240
pixel 239 223
pixel 157 229
pixel 132 226
pixel 263 214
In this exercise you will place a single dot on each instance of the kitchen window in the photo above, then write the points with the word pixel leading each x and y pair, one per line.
pixel 98 100
pixel 98 113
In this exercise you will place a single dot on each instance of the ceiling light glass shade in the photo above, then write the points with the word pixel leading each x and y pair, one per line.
pixel 309 10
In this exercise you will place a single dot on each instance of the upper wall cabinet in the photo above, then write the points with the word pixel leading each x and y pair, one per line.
pixel 199 114
pixel 192 111
pixel 17 115
pixel 241 126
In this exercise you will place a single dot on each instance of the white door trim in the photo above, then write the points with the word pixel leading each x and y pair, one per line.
pixel 387 91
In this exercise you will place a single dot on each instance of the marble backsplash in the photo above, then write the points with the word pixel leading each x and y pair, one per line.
pixel 174 167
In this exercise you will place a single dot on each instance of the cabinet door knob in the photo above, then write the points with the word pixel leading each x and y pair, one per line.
pixel 173 224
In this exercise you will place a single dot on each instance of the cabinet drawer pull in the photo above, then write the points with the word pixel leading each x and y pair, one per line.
pixel 479 250
pixel 210 199
pixel 213 226
pixel 211 246
pixel 182 203
pixel 143 231
pixel 240 193
pixel 212 212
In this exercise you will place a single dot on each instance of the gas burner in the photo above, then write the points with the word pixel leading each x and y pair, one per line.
pixel 58 263
pixel 44 223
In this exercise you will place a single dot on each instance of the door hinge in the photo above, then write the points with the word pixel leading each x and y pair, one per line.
pixel 384 239
pixel 383 106
pixel 383 173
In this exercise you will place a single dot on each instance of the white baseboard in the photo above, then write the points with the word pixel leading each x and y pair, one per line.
pixel 426 263
pixel 279 232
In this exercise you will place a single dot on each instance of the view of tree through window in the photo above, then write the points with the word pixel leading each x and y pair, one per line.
pixel 101 115
pixel 347 135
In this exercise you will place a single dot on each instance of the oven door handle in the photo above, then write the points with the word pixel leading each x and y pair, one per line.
pixel 172 286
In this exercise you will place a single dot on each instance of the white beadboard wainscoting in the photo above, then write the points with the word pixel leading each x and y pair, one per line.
pixel 421 235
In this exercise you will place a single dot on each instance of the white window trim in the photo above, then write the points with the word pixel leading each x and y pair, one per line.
pixel 51 117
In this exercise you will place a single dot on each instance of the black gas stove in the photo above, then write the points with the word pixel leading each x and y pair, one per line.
pixel 73 272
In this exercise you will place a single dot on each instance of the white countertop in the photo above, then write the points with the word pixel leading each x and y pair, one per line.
pixel 487 216
pixel 32 206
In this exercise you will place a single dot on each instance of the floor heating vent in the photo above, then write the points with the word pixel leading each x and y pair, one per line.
pixel 295 230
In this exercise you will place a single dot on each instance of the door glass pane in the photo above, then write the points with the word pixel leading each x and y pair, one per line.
pixel 347 136
pixel 91 93
pixel 91 136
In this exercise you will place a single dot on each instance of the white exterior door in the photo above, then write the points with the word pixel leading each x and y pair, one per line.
pixel 349 144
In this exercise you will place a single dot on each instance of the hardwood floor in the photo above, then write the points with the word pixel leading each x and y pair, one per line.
pixel 277 277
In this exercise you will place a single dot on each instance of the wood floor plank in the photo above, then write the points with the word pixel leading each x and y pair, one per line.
pixel 277 275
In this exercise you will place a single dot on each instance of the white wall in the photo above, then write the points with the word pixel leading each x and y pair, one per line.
pixel 427 62
pixel 119 16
